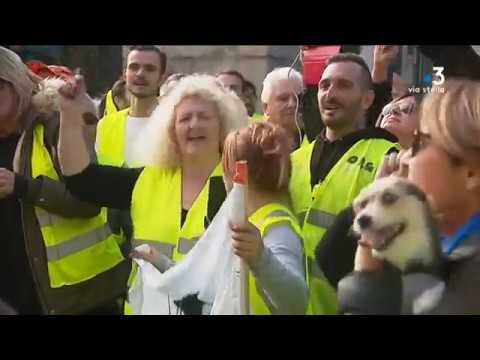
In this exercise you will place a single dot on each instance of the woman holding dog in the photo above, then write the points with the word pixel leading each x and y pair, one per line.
pixel 445 164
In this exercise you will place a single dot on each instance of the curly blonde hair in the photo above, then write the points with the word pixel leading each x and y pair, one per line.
pixel 158 145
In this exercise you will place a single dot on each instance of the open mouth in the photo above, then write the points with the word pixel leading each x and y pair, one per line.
pixel 383 237
pixel 196 138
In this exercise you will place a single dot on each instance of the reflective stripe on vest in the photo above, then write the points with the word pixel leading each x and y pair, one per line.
pixel 264 218
pixel 77 249
pixel 156 212
pixel 46 219
pixel 78 243
pixel 111 133
pixel 158 191
pixel 163 247
pixel 320 218
pixel 185 245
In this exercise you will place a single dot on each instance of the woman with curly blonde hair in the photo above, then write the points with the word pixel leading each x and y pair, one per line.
pixel 173 198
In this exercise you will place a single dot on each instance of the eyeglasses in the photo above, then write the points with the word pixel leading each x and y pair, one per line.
pixel 420 141
pixel 398 109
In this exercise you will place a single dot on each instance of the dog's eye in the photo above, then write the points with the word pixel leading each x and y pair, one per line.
pixel 364 203
pixel 389 198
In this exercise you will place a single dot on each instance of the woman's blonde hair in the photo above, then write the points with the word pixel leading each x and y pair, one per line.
pixel 453 118
pixel 157 145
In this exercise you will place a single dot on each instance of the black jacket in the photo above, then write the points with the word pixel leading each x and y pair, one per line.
pixel 388 292
pixel 16 283
pixel 335 254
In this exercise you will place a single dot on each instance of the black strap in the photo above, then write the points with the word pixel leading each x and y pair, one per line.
pixel 216 197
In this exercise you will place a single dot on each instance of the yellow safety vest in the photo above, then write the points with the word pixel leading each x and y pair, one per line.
pixel 257 117
pixel 263 218
pixel 77 249
pixel 305 142
pixel 110 106
pixel 111 133
pixel 318 208
pixel 156 211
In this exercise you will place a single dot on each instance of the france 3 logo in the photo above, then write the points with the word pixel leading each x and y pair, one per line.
pixel 431 82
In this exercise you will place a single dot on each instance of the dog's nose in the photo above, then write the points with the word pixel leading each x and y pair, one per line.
pixel 364 221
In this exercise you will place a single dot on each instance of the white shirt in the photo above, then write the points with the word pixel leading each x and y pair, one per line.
pixel 133 128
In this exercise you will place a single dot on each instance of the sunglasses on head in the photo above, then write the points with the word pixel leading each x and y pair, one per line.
pixel 398 109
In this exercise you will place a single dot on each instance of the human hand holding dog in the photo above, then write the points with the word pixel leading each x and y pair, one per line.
pixel 364 260
pixel 395 164
pixel 247 242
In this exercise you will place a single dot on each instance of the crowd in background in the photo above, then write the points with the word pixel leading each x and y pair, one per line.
pixel 84 182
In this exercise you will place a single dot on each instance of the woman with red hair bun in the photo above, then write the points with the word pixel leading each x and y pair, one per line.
pixel 271 241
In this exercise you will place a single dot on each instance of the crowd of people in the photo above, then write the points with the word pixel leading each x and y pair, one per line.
pixel 83 182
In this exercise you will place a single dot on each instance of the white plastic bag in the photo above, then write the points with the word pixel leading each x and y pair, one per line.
pixel 210 270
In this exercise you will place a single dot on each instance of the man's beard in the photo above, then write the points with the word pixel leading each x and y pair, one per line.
pixel 143 95
pixel 345 118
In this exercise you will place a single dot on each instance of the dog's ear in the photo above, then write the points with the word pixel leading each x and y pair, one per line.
pixel 411 189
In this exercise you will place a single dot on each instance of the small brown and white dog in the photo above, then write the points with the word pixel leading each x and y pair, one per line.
pixel 395 217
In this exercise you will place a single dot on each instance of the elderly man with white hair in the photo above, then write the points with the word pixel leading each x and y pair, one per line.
pixel 280 97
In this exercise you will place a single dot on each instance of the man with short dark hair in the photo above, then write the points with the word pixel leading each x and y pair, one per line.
pixel 232 80
pixel 116 133
pixel 328 173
